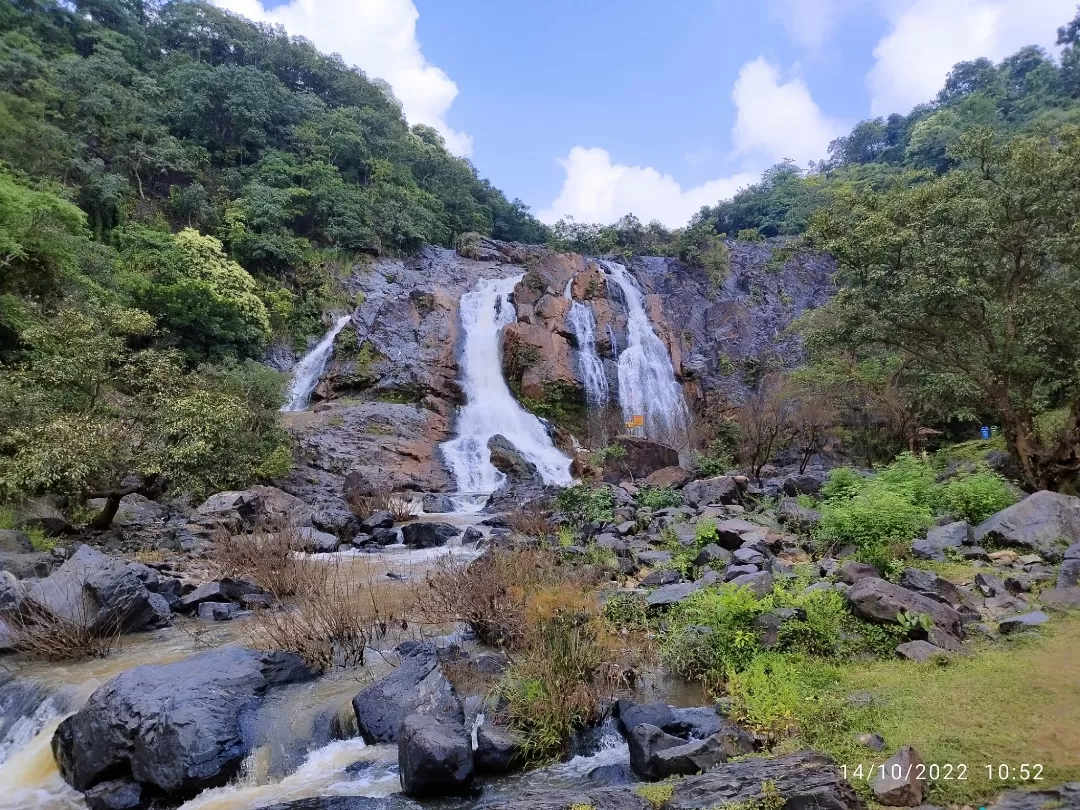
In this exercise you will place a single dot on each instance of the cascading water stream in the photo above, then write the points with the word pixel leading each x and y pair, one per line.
pixel 583 322
pixel 647 384
pixel 490 408
pixel 310 368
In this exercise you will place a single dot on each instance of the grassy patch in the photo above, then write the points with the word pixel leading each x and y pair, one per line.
pixel 38 539
pixel 657 794
pixel 1016 702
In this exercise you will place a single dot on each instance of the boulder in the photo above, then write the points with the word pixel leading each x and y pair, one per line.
pixel 940 538
pixel 1061 597
pixel 428 535
pixel 435 757
pixel 641 458
pixel 671 594
pixel 798 518
pixel 416 686
pixel 851 571
pixel 1039 522
pixel 804 484
pixel 881 601
pixel 663 576
pixel 918 651
pixel 1064 797
pixel 731 533
pixel 759 583
pixel 508 460
pixel 631 715
pixel 498 750
pixel 1069 573
pixel 655 754
pixel 37 564
pixel 723 489
pixel 115 794
pixel 318 542
pixel 674 477
pixel 134 510
pixel 174 728
pixel 13 542
pixel 437 503
pixel 930 584
pixel 1023 622
pixel 899 784
pixel 654 558
pixel 218 611
pixel 377 520
pixel 94 590
pixel 259 505
pixel 12 593
pixel 711 553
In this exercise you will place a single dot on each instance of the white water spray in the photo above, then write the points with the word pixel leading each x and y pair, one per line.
pixel 647 383
pixel 583 322
pixel 310 368
pixel 490 407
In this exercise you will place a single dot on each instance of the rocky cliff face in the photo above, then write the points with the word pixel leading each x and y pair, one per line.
pixel 389 395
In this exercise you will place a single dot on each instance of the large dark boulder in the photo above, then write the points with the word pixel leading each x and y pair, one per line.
pixel 428 535
pixel 1064 797
pixel 723 489
pixel 94 590
pixel 640 459
pixel 508 460
pixel 1044 521
pixel 260 505
pixel 930 584
pixel 434 757
pixel 498 750
pixel 941 538
pixel 416 686
pixel 655 754
pixel 881 601
pixel 174 728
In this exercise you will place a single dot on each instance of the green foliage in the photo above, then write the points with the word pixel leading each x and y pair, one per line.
pixel 582 504
pixel 912 622
pixel 611 451
pixel 625 610
pixel 977 495
pixel 659 497
pixel 657 794
pixel 705 532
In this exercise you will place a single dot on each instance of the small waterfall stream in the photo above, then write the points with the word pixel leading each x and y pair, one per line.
pixel 310 368
pixel 583 322
pixel 490 407
pixel 647 384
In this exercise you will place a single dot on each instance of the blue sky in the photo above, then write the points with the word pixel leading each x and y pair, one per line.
pixel 596 109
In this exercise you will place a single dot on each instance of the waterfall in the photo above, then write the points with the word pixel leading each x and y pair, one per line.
pixel 583 322
pixel 490 408
pixel 310 368
pixel 647 383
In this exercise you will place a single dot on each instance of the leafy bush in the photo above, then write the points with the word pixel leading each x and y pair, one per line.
pixel 910 477
pixel 582 504
pixel 977 496
pixel 659 497
pixel 728 612
pixel 873 518
pixel 767 694
pixel 625 610
pixel 705 532
pixel 842 483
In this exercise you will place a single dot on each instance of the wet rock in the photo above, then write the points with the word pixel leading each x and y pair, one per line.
pixel 1039 522
pixel 115 794
pixel 851 572
pixel 428 535
pixel 434 757
pixel 177 728
pixel 1025 621
pixel 218 611
pixel 899 785
pixel 881 601
pixel 498 750
pixel 918 651
pixel 940 538
pixel 723 489
pixel 377 520
pixel 671 594
pixel 631 715
pixel 437 503
pixel 674 477
pixel 94 590
pixel 507 459
pixel 655 754
pixel 416 686
pixel 385 537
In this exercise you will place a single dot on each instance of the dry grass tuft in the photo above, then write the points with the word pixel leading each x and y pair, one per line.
pixel 398 505
pixel 40 633
pixel 531 520
pixel 269 556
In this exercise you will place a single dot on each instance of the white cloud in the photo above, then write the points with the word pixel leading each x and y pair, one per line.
pixel 379 37
pixel 807 22
pixel 775 120
pixel 597 190
pixel 927 37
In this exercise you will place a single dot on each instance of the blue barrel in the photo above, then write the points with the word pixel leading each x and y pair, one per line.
pixel 984 431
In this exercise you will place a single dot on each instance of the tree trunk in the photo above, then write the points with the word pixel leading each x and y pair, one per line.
pixel 105 517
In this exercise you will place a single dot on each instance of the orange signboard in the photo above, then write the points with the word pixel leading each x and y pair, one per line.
pixel 637 420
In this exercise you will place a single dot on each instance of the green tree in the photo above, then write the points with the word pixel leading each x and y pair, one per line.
pixel 972 278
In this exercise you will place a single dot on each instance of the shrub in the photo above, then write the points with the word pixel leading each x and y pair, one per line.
pixel 531 520
pixel 705 532
pixel 976 496
pixel 767 694
pixel 842 483
pixel 39 633
pixel 269 556
pixel 729 612
pixel 625 610
pixel 659 497
pixel 910 477
pixel 872 519
pixel 612 451
pixel 581 504
pixel 657 794
pixel 364 506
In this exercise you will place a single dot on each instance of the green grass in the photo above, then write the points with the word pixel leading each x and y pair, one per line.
pixel 1015 702
pixel 37 537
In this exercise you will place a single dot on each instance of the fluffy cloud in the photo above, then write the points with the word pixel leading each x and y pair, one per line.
pixel 808 22
pixel 927 37
pixel 379 37
pixel 773 121
pixel 597 190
